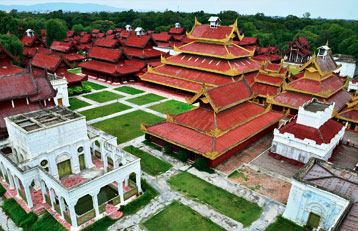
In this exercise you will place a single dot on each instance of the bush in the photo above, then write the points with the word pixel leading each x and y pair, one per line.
pixel 168 149
pixel 100 225
pixel 18 214
pixel 2 190
pixel 77 90
pixel 147 137
pixel 202 165
pixel 70 91
pixel 47 222
pixel 87 88
pixel 183 155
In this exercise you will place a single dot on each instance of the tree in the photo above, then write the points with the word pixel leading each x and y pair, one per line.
pixel 55 30
pixel 103 25
pixel 307 15
pixel 78 28
pixel 12 44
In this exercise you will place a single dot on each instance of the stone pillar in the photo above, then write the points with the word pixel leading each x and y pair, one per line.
pixel 52 198
pixel 17 186
pixel 88 157
pixel 43 190
pixel 28 195
pixel 11 180
pixel 126 181
pixel 95 203
pixel 71 208
pixel 62 206
pixel 137 179
pixel 120 190
pixel 104 158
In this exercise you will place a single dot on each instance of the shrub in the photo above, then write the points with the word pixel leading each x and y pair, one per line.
pixel 202 165
pixel 87 88
pixel 2 190
pixel 30 220
pixel 18 214
pixel 77 90
pixel 100 225
pixel 70 91
pixel 147 137
pixel 183 155
pixel 47 222
pixel 168 149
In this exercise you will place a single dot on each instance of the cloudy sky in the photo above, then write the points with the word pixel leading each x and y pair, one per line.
pixel 342 9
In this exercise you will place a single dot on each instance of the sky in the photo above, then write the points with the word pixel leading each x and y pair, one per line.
pixel 332 9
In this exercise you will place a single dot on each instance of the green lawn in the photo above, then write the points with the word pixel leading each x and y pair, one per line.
pixel 104 110
pixel 226 203
pixel 145 99
pixel 127 127
pixel 94 86
pixel 75 70
pixel 149 164
pixel 177 217
pixel 103 96
pixel 172 106
pixel 283 224
pixel 128 90
pixel 77 103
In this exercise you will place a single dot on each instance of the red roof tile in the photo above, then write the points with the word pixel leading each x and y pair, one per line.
pixel 249 77
pixel 95 31
pixel 161 37
pixel 137 41
pixel 264 89
pixel 292 99
pixel 17 86
pixel 214 49
pixel 177 31
pixel 70 33
pixel 61 46
pixel 9 69
pixel 269 79
pixel 206 32
pixel 230 94
pixel 105 42
pixel 322 135
pixel 45 89
pixel 307 85
pixel 105 54
pixel 178 37
pixel 45 61
pixel 73 57
pixel 350 114
pixel 8 110
pixel 340 99
pixel 109 68
pixel 142 53
pixel 70 77
pixel 248 41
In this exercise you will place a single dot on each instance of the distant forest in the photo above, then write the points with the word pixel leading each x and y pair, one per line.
pixel 274 31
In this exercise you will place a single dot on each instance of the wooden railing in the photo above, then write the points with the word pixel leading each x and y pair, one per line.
pixel 86 217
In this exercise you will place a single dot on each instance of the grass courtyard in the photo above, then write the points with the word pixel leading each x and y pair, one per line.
pixel 177 217
pixel 77 103
pixel 104 110
pixel 127 127
pixel 129 90
pixel 94 86
pixel 145 99
pixel 103 96
pixel 283 224
pixel 226 203
pixel 172 106
pixel 149 164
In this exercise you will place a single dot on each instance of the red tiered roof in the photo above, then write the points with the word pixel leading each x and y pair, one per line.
pixel 322 135
pixel 9 70
pixel 30 41
pixel 105 54
pixel 340 99
pixel 206 32
pixel 331 83
pixel 137 41
pixel 70 33
pixel 262 77
pixel 74 57
pixel 44 61
pixel 142 53
pixel 161 37
pixel 351 114
pixel 292 99
pixel 61 46
pixel 109 68
pixel 264 89
pixel 214 49
pixel 106 42
pixel 177 31
pixel 17 86
pixel 246 41
pixel 30 52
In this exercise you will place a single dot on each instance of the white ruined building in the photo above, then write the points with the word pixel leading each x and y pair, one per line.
pixel 312 134
pixel 52 151
pixel 60 85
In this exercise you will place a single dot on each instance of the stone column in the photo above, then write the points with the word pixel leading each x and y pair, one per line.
pixel 62 206
pixel 11 180
pixel 28 195
pixel 137 179
pixel 120 190
pixel 17 186
pixel 43 190
pixel 126 181
pixel 95 203
pixel 104 158
pixel 71 208
pixel 52 198
pixel 88 157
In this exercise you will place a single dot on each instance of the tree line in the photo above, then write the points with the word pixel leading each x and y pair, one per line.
pixel 274 31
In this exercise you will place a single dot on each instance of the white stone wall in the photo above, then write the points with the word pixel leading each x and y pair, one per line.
pixel 304 199
pixel 61 86
pixel 314 119
pixel 47 140
pixel 289 146
pixel 352 86
pixel 347 69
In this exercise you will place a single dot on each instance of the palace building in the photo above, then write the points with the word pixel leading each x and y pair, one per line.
pixel 315 80
pixel 311 133
pixel 298 51
pixel 349 115
pixel 213 58
pixel 324 196
pixel 225 122
pixel 64 169
pixel 6 67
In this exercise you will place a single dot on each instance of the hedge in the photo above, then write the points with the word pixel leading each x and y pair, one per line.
pixel 18 214
pixel 2 190
pixel 47 222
